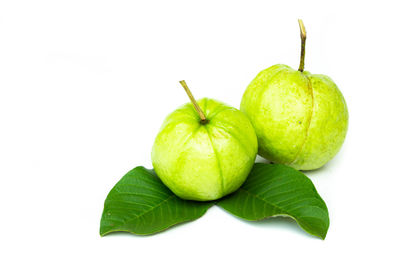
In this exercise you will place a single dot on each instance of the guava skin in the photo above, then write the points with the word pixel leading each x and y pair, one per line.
pixel 204 161
pixel 300 119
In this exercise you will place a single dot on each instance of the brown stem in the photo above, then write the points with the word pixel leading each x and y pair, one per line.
pixel 303 36
pixel 194 102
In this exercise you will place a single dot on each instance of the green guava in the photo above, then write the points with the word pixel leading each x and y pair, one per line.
pixel 204 159
pixel 300 119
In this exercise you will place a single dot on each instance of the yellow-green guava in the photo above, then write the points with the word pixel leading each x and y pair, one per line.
pixel 204 159
pixel 300 118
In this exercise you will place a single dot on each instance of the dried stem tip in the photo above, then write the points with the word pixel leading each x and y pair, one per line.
pixel 194 102
pixel 303 36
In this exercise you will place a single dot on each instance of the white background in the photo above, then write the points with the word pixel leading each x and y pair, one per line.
pixel 85 86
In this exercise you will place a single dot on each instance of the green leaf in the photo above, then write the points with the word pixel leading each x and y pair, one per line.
pixel 141 204
pixel 279 190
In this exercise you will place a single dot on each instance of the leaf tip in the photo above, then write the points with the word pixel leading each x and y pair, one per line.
pixel 323 236
pixel 102 233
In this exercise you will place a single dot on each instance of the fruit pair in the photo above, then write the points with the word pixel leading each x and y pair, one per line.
pixel 205 151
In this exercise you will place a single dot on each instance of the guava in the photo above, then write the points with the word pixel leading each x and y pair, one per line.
pixel 204 151
pixel 300 119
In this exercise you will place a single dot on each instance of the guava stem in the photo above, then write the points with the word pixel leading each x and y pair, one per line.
pixel 303 36
pixel 194 102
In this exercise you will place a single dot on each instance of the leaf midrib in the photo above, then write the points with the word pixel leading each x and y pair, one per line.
pixel 149 210
pixel 276 207
pixel 263 200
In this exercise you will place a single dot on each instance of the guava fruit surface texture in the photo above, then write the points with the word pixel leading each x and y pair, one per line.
pixel 204 160
pixel 300 118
